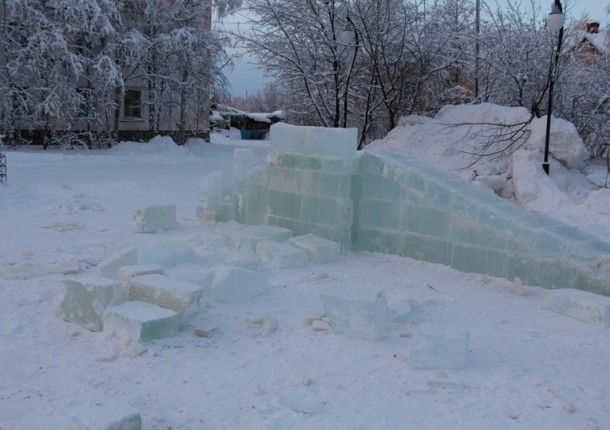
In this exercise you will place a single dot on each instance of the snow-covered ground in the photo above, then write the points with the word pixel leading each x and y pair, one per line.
pixel 62 212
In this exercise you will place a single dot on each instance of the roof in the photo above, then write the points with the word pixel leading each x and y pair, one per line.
pixel 265 117
pixel 600 41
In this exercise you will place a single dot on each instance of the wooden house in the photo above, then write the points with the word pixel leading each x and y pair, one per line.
pixel 252 125
pixel 591 43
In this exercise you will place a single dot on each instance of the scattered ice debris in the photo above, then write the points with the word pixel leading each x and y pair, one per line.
pixel 234 285
pixel 583 305
pixel 86 298
pixel 266 324
pixel 154 218
pixel 356 312
pixel 139 322
pixel 517 288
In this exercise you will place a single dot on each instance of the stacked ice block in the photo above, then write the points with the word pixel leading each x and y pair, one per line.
pixel 310 180
pixel 408 207
pixel 237 191
pixel 308 185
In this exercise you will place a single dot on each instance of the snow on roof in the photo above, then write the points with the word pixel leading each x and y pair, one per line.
pixel 216 116
pixel 265 117
pixel 256 116
pixel 600 41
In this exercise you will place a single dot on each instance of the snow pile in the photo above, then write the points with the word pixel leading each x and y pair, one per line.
pixel 158 145
pixel 453 138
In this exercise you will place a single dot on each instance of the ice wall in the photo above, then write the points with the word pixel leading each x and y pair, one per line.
pixel 309 180
pixel 307 186
pixel 408 207
pixel 237 191
pixel 315 181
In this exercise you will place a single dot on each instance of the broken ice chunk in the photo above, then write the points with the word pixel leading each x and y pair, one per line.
pixel 154 218
pixel 127 272
pixel 583 305
pixel 281 255
pixel 168 254
pixel 109 267
pixel 400 310
pixel 235 237
pixel 244 258
pixel 139 321
pixel 85 299
pixel 356 312
pixel 234 285
pixel 320 141
pixel 439 347
pixel 167 292
pixel 194 274
pixel 320 250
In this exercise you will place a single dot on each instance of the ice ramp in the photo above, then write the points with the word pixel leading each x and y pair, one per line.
pixel 315 181
pixel 408 207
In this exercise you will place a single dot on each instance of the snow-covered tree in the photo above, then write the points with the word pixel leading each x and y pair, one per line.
pixel 515 56
pixel 172 52
pixel 583 95
pixel 38 69
pixel 65 64
pixel 91 29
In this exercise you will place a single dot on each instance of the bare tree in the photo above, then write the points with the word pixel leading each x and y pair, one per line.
pixel 395 62
pixel 299 45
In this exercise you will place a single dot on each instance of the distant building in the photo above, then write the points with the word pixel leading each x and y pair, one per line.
pixel 252 125
pixel 591 43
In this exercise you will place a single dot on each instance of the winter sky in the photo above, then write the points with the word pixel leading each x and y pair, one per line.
pixel 246 79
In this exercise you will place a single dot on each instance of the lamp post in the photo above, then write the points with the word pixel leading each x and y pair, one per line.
pixel 348 37
pixel 554 23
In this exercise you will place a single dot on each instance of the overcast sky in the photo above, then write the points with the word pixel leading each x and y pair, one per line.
pixel 596 9
pixel 246 79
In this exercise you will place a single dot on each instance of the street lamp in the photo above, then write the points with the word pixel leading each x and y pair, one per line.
pixel 349 38
pixel 554 23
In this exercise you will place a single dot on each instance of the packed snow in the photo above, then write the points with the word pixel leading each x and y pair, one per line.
pixel 273 361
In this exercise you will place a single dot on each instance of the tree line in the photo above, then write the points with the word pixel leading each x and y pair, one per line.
pixel 366 63
pixel 67 67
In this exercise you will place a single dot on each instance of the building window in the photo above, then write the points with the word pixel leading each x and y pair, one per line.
pixel 133 104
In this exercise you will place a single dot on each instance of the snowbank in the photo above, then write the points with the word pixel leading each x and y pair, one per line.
pixel 453 138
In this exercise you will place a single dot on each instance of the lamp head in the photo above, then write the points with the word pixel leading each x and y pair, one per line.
pixel 556 18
